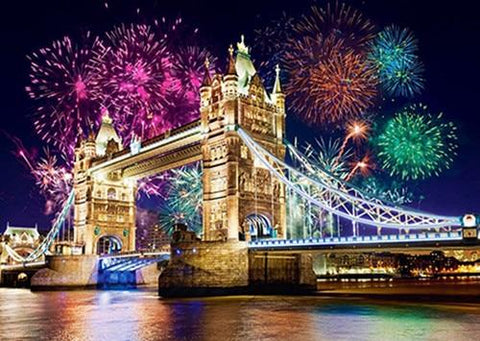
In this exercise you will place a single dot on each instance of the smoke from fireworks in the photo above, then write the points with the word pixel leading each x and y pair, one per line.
pixel 415 144
pixel 63 85
pixel 394 54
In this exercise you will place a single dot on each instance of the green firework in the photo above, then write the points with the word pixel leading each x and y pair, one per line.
pixel 416 145
pixel 183 201
pixel 327 155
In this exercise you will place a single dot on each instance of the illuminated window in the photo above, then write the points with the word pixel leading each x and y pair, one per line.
pixel 111 193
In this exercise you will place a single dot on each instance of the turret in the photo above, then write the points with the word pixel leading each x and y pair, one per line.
pixel 229 89
pixel 90 146
pixel 206 87
pixel 278 97
pixel 79 148
pixel 230 79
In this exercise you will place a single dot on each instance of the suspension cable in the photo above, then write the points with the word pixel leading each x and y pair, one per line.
pixel 439 221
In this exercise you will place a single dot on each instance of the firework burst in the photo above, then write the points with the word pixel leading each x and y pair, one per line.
pixel 136 80
pixel 343 87
pixel 326 84
pixel 394 54
pixel 53 179
pixel 393 192
pixel 338 20
pixel 270 45
pixel 64 86
pixel 149 85
pixel 415 144
pixel 183 201
pixel 328 156
pixel 330 78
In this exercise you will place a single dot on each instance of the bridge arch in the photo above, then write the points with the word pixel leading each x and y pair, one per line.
pixel 108 244
pixel 259 226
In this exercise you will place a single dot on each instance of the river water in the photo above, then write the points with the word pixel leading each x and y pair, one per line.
pixel 142 315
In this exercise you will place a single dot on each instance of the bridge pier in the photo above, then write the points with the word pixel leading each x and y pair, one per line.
pixel 67 272
pixel 202 268
pixel 84 272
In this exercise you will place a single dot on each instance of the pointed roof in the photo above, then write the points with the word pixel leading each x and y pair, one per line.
pixel 91 135
pixel 231 62
pixel 20 230
pixel 106 133
pixel 277 89
pixel 207 80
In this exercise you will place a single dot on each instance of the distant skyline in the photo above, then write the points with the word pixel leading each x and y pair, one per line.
pixel 448 35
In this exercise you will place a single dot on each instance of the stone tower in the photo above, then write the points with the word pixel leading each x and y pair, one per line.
pixel 241 199
pixel 104 213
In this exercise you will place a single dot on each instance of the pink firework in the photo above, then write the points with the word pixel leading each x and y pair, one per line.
pixel 52 177
pixel 137 83
pixel 64 86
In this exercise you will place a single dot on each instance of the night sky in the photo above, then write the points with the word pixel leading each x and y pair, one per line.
pixel 448 34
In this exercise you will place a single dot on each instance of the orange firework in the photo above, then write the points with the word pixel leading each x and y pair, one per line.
pixel 357 130
pixel 341 20
pixel 343 87
pixel 363 166
pixel 330 79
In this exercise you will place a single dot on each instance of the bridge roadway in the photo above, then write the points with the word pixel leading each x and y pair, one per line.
pixel 23 266
pixel 419 241
pixel 131 261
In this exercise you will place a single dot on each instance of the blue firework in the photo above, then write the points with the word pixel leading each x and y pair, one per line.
pixel 394 54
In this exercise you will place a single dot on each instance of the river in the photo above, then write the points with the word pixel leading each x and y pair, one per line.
pixel 142 315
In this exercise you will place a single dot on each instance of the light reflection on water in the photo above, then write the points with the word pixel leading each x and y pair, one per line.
pixel 141 315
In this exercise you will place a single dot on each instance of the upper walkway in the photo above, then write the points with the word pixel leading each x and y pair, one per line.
pixel 427 240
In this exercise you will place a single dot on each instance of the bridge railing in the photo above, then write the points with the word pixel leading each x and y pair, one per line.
pixel 138 252
pixel 352 240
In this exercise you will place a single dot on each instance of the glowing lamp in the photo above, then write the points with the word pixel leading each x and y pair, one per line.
pixel 469 220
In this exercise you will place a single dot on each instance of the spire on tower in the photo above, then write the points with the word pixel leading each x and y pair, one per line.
pixel 207 80
pixel 231 62
pixel 277 88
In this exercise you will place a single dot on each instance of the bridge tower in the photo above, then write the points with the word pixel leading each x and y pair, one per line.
pixel 104 207
pixel 241 199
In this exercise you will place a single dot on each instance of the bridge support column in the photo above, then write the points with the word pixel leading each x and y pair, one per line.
pixel 281 272
pixel 67 272
pixel 223 268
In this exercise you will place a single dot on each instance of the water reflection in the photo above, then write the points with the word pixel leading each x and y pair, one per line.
pixel 141 315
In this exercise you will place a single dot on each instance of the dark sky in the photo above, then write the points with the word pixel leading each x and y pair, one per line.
pixel 448 33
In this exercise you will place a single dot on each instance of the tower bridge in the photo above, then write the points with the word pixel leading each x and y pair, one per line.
pixel 240 141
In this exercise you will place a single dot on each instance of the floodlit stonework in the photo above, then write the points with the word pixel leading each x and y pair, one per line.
pixel 241 199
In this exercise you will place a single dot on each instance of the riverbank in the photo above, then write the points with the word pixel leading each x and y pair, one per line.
pixel 419 290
